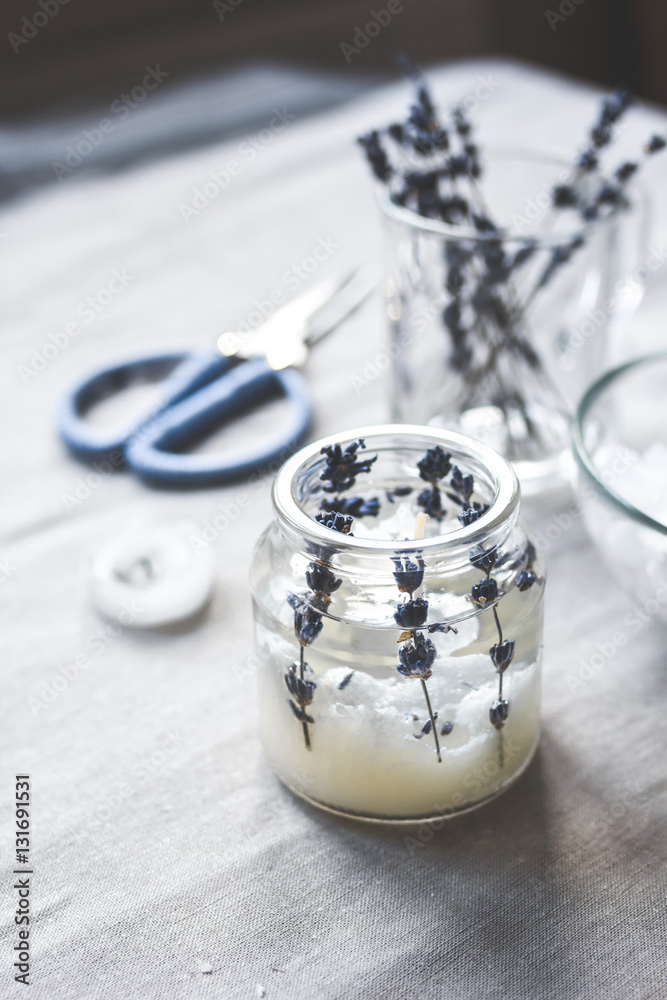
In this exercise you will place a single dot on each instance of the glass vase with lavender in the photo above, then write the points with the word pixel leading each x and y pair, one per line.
pixel 504 283
pixel 398 624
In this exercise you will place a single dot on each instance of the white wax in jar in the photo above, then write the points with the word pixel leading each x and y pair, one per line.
pixel 365 757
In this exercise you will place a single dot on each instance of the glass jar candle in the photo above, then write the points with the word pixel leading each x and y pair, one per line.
pixel 398 625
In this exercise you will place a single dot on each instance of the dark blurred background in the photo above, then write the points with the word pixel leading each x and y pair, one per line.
pixel 223 64
pixel 89 50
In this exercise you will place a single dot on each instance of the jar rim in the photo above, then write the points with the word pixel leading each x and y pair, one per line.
pixel 503 505
pixel 546 237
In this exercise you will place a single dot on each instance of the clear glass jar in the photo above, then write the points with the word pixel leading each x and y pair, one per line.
pixel 399 676
pixel 493 335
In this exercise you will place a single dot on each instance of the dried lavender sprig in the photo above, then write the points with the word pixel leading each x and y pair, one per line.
pixel 434 467
pixel 486 276
pixel 418 653
pixel 483 594
pixel 420 166
pixel 341 469
pixel 343 466
pixel 302 692
pixel 416 657
pixel 430 188
pixel 610 194
pixel 351 506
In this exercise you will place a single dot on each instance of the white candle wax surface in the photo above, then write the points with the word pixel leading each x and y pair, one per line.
pixel 366 758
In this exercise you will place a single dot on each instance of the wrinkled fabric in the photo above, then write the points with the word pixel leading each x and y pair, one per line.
pixel 168 860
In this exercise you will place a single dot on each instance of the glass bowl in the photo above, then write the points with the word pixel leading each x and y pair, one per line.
pixel 620 444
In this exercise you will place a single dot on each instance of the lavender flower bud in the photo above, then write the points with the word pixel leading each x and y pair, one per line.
pixel 320 579
pixel 435 464
pixel 498 713
pixel 342 466
pixel 525 580
pixel 501 655
pixel 408 574
pixel 300 713
pixel 335 521
pixel 300 689
pixel 625 171
pixel 417 658
pixel 411 614
pixel 462 484
pixel 483 559
pixel 564 196
pixel 307 622
pixel 655 144
pixel 484 592
pixel 470 515
pixel 429 500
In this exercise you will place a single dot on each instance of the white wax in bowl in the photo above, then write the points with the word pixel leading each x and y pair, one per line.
pixel 635 553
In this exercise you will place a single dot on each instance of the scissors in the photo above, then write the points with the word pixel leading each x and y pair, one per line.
pixel 203 389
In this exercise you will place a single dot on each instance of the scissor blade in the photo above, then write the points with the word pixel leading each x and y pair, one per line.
pixel 358 290
pixel 284 333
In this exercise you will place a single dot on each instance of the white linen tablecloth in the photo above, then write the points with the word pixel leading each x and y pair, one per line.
pixel 168 861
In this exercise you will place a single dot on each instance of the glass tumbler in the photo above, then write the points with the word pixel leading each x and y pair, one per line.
pixel 497 333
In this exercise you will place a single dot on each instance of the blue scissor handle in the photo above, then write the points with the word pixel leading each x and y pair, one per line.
pixel 200 392
pixel 180 373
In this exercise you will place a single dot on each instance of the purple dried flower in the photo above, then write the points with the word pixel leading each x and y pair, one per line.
pixel 300 689
pixel 484 559
pixel 336 521
pixel 498 713
pixel 417 658
pixel 470 515
pixel 435 464
pixel 484 592
pixel 321 579
pixel 307 621
pixel 376 155
pixel 408 574
pixel 430 501
pixel 352 506
pixel 501 655
pixel 525 580
pixel 343 466
pixel 564 196
pixel 655 144
pixel 462 484
pixel 411 614
pixel 626 171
